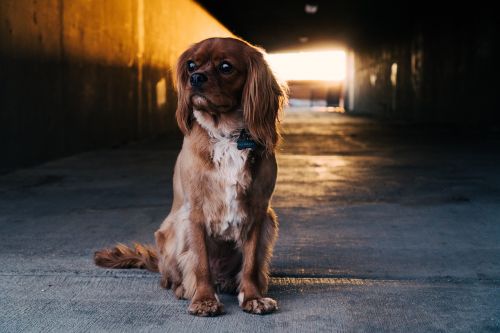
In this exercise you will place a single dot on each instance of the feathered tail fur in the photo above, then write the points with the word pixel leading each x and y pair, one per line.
pixel 123 256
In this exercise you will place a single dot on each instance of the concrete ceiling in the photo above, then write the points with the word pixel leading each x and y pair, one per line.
pixel 278 25
pixel 282 24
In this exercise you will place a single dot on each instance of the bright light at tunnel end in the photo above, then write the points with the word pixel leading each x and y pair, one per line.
pixel 328 65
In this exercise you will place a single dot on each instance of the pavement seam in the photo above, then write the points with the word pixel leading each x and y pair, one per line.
pixel 290 279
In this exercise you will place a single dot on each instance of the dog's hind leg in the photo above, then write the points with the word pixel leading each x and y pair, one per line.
pixel 167 243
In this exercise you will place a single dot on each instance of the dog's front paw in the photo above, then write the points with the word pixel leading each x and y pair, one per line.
pixel 206 308
pixel 263 305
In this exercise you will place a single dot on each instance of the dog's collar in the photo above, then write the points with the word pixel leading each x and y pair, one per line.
pixel 245 141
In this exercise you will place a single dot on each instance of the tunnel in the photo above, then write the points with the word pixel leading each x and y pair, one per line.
pixel 388 187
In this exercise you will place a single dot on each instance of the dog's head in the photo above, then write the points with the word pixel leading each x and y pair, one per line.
pixel 224 75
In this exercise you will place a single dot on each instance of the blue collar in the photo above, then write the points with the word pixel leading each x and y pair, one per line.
pixel 245 141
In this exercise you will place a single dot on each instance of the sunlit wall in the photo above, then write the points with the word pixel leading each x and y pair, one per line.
pixel 83 74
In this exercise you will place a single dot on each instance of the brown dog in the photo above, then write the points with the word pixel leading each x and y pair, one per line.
pixel 221 229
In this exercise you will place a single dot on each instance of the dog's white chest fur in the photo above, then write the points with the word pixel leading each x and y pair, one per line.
pixel 225 215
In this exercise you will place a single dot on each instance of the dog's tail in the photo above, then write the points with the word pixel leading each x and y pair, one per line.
pixel 123 256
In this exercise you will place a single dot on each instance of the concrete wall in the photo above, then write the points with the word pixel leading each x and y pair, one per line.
pixel 446 72
pixel 84 74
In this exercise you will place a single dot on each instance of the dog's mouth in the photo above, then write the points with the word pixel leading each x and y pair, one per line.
pixel 203 103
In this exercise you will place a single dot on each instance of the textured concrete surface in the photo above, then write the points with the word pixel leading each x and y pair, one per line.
pixel 384 228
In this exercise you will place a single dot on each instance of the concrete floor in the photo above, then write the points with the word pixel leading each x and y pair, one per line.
pixel 384 228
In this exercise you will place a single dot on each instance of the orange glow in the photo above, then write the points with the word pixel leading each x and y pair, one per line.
pixel 309 66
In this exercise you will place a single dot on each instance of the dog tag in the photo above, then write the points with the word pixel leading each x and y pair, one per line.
pixel 245 141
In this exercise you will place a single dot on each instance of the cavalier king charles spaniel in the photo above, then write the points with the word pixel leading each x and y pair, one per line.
pixel 220 232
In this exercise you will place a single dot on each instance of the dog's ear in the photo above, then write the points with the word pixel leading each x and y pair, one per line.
pixel 183 112
pixel 263 101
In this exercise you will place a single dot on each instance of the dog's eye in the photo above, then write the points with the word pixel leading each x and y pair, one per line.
pixel 225 67
pixel 191 66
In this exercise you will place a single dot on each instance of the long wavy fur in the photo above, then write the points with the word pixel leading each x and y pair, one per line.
pixel 123 256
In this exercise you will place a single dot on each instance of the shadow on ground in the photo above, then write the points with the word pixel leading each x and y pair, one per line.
pixel 383 228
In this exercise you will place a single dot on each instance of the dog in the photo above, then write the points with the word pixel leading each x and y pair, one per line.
pixel 220 232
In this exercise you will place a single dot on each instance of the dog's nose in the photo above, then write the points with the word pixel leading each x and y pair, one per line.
pixel 197 79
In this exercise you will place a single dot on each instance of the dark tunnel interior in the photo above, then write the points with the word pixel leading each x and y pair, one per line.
pixel 444 52
pixel 80 76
